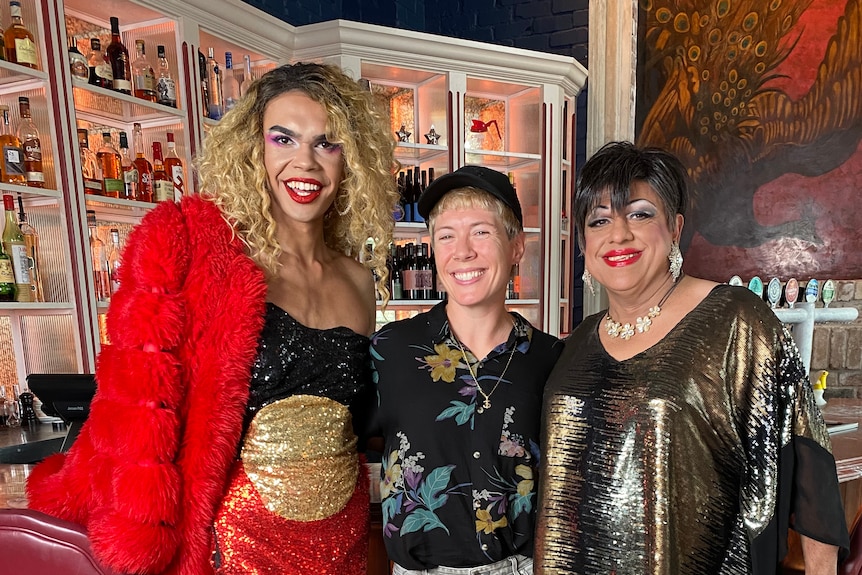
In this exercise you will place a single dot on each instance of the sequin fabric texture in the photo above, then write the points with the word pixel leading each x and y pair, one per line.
pixel 298 497
pixel 668 462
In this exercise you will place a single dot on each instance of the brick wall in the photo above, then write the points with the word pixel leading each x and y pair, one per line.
pixel 837 347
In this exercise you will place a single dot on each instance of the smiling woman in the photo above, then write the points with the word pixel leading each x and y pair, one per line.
pixel 243 320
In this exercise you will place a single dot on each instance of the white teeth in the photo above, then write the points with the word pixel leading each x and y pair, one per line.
pixel 303 187
pixel 466 276
pixel 621 258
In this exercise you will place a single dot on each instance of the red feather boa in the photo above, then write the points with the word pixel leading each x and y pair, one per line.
pixel 150 466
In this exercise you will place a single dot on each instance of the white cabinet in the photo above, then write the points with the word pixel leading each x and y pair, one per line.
pixel 428 81
pixel 504 108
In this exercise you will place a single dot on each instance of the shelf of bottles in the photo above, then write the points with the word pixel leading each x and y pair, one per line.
pixel 38 329
pixel 567 235
pixel 226 70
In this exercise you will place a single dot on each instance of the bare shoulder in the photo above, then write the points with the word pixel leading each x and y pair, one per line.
pixel 362 281
pixel 692 291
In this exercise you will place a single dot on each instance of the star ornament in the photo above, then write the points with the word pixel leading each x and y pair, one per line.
pixel 432 137
pixel 403 134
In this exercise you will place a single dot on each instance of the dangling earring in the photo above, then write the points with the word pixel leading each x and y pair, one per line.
pixel 675 257
pixel 588 281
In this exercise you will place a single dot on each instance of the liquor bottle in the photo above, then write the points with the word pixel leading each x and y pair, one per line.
pixel 18 40
pixel 396 285
pixel 31 242
pixel 230 83
pixel 513 289
pixel 166 87
pixel 32 146
pixel 247 78
pixel 398 210
pixel 409 271
pixel 13 243
pixel 101 275
pixel 130 173
pixel 100 71
pixel 417 192
pixel 77 61
pixel 174 168
pixel 112 168
pixel 143 75
pixel 163 187
pixel 143 166
pixel 114 261
pixel 205 91
pixel 12 167
pixel 215 103
pixel 117 56
pixel 89 165
pixel 7 278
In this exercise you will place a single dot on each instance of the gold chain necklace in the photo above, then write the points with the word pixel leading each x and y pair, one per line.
pixel 642 324
pixel 487 403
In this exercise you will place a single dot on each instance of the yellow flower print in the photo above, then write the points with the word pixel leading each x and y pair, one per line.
pixel 486 523
pixel 391 476
pixel 444 363
pixel 525 487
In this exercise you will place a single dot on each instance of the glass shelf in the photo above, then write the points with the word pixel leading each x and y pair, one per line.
pixel 106 206
pixel 30 308
pixel 493 159
pixel 419 152
pixel 17 77
pixel 41 192
pixel 101 104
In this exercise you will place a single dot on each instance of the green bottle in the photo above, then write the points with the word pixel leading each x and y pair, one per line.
pixel 16 248
pixel 7 278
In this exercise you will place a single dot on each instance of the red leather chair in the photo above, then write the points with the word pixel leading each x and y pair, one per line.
pixel 38 544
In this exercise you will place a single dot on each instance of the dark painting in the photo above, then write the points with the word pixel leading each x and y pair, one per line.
pixel 762 101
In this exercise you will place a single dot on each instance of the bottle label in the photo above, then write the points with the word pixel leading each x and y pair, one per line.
pixel 166 90
pixel 20 264
pixel 7 276
pixel 178 180
pixel 92 186
pixel 409 280
pixel 104 70
pixel 397 290
pixel 424 280
pixel 13 161
pixel 114 185
pixel 25 51
pixel 145 82
pixel 130 179
pixel 33 160
pixel 115 278
pixel 163 190
pixel 122 85
pixel 78 65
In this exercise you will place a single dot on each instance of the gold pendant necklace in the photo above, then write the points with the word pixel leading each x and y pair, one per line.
pixel 487 403
pixel 642 324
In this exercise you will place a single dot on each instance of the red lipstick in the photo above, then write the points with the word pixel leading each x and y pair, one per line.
pixel 621 258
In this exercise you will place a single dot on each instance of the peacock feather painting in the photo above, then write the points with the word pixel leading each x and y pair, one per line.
pixel 762 102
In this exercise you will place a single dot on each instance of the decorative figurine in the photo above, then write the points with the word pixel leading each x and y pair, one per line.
pixel 819 387
pixel 403 134
pixel 478 128
pixel 432 137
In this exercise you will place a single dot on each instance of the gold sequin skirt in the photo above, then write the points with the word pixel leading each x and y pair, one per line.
pixel 297 502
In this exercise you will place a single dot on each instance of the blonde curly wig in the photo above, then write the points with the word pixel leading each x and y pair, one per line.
pixel 232 172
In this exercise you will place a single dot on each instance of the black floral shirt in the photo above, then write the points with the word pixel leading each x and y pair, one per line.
pixel 458 482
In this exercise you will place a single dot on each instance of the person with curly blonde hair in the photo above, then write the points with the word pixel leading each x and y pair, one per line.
pixel 221 438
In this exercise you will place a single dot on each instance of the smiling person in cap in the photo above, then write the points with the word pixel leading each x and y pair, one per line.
pixel 460 393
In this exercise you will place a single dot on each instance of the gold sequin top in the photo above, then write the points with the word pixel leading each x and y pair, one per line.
pixel 688 457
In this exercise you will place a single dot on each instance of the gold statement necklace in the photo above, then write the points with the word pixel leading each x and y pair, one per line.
pixel 642 324
pixel 487 403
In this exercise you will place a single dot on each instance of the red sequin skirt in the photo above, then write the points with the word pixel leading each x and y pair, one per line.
pixel 250 539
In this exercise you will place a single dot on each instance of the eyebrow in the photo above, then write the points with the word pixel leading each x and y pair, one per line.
pixel 291 134
pixel 629 203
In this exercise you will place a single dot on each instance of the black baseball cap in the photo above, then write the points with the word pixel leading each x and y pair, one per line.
pixel 495 183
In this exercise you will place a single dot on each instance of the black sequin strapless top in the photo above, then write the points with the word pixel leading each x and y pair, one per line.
pixel 293 359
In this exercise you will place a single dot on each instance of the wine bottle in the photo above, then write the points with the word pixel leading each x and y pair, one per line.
pixel 112 168
pixel 163 187
pixel 408 196
pixel 12 167
pixel 7 277
pixel 101 73
pixel 143 166
pixel 13 243
pixel 28 134
pixel 425 276
pixel 117 56
pixel 89 165
pixel 77 61
pixel 18 40
pixel 174 168
pixel 142 72
pixel 31 242
pixel 166 87
pixel 417 193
